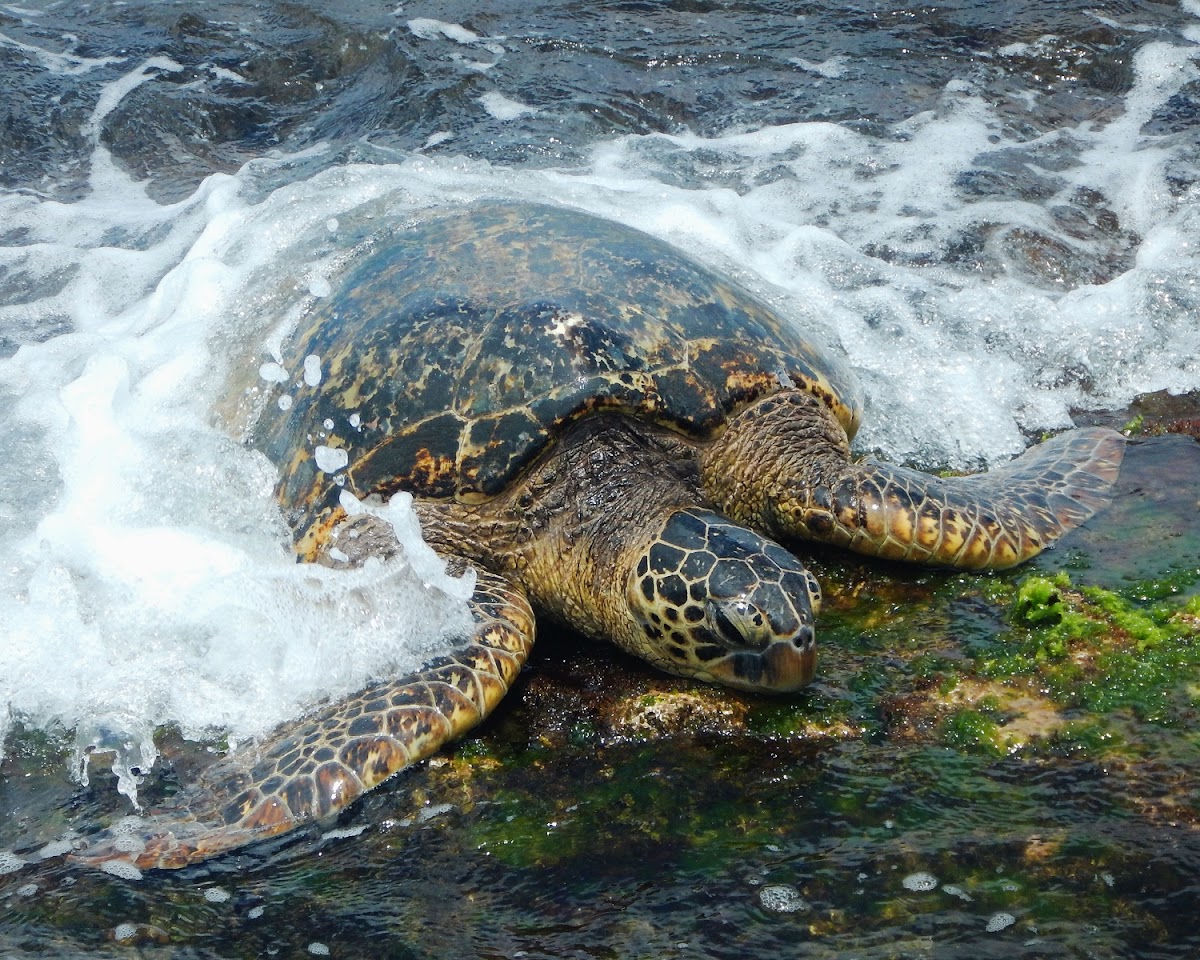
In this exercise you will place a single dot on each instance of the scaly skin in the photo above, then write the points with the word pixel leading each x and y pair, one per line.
pixel 674 583
pixel 718 602
pixel 609 433
pixel 784 466
pixel 327 760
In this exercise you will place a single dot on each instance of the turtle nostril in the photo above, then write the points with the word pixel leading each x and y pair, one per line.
pixel 803 638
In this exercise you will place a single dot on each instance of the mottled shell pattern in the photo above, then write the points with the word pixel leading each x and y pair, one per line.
pixel 457 349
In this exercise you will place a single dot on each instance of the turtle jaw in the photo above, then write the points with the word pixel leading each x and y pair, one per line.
pixel 784 667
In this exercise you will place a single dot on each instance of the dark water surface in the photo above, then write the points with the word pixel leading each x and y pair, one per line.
pixel 964 781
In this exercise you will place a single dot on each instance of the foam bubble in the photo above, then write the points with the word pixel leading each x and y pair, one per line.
pixel 10 862
pixel 55 848
pixel 781 898
pixel 331 459
pixel 273 373
pixel 504 108
pixel 344 833
pixel 427 28
pixel 433 811
pixel 920 882
pixel 121 869
pixel 216 895
pixel 124 931
pixel 318 949
pixel 1000 921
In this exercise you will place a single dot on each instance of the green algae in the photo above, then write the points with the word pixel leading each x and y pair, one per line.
pixel 1093 648
pixel 1029 739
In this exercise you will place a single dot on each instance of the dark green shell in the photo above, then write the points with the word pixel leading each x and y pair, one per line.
pixel 456 350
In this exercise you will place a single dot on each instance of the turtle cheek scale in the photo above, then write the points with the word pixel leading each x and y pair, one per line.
pixel 717 602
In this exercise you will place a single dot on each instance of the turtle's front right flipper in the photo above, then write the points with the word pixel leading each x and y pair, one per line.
pixel 313 768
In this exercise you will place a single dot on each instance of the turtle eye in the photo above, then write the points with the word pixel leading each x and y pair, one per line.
pixel 729 619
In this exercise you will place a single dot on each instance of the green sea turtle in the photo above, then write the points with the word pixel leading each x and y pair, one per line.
pixel 607 433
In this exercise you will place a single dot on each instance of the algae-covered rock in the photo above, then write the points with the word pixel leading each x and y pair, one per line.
pixel 1026 740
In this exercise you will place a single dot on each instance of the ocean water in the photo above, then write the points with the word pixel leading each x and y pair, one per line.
pixel 992 210
pixel 1020 240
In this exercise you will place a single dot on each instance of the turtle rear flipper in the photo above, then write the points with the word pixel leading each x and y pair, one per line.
pixel 994 520
pixel 314 768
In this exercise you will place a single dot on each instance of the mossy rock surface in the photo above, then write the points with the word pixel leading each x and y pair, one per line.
pixel 1001 765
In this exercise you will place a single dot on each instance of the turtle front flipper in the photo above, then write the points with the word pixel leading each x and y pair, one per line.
pixel 990 520
pixel 315 767
pixel 784 466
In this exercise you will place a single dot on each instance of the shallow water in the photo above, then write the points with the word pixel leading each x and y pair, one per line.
pixel 989 208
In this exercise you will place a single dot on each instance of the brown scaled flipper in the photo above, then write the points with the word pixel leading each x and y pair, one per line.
pixel 344 751
pixel 784 466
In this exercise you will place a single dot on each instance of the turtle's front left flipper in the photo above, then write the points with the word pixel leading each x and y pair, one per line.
pixel 989 520
pixel 313 768
pixel 784 466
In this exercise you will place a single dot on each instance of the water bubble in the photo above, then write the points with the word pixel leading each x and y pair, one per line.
pixel 124 931
pixel 55 848
pixel 958 892
pixel 318 949
pixel 343 833
pixel 781 898
pixel 122 869
pixel 1000 921
pixel 330 459
pixel 255 912
pixel 27 890
pixel 10 862
pixel 312 370
pixel 920 882
pixel 216 895
pixel 273 373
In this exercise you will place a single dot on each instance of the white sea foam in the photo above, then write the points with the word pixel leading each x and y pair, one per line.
pixel 124 931
pixel 920 882
pixel 10 862
pixel 999 921
pixel 52 60
pixel 429 29
pixel 781 898
pixel 504 108
pixel 146 573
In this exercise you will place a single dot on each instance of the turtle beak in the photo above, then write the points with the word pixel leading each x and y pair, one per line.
pixel 784 666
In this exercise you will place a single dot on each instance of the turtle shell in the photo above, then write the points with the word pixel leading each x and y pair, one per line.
pixel 456 350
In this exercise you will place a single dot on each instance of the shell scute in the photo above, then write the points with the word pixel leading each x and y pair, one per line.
pixel 455 351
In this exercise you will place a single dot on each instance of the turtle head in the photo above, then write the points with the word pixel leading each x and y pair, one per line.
pixel 715 601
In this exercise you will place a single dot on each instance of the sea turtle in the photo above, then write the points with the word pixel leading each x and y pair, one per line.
pixel 608 433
